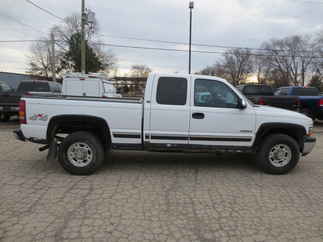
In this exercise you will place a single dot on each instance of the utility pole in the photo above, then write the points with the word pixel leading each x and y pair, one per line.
pixel 53 56
pixel 83 46
pixel 191 6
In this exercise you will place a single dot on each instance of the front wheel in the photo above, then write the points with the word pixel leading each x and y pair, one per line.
pixel 81 153
pixel 278 154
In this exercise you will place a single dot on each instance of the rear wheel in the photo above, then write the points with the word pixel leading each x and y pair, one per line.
pixel 81 153
pixel 278 154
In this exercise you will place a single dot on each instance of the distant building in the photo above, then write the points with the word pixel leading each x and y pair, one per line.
pixel 13 79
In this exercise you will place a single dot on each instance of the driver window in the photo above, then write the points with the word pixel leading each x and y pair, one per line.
pixel 211 93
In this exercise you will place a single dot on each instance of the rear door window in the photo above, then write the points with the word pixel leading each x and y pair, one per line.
pixel 172 91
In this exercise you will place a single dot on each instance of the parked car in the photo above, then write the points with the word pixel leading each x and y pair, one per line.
pixel 9 100
pixel 178 113
pixel 311 102
pixel 264 95
pixel 91 85
pixel 5 100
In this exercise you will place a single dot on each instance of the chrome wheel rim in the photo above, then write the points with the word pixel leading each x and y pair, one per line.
pixel 280 155
pixel 80 154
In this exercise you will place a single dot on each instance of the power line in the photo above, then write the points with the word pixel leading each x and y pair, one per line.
pixel 164 49
pixel 45 10
pixel 198 51
pixel 22 41
pixel 196 44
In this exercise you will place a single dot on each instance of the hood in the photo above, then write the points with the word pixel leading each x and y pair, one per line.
pixel 282 114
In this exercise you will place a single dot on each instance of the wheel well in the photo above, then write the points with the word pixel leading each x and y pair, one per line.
pixel 294 131
pixel 67 124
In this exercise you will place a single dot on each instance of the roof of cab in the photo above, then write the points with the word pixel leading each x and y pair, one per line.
pixel 195 76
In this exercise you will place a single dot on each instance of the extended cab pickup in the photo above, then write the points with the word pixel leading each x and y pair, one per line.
pixel 311 102
pixel 177 113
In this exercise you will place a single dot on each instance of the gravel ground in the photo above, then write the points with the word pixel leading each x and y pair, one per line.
pixel 157 197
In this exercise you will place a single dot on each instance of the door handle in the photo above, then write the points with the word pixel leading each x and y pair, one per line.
pixel 198 115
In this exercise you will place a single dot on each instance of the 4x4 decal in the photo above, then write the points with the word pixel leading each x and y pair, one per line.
pixel 40 116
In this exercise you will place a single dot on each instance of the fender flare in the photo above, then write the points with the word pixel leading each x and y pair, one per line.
pixel 296 131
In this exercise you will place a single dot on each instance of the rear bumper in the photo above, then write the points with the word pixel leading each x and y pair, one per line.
pixel 21 137
pixel 309 143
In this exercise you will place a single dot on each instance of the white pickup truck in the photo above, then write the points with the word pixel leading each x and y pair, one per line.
pixel 177 113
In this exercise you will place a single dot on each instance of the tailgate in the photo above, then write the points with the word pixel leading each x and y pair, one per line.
pixel 9 102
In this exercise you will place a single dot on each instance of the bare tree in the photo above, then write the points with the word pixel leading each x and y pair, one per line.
pixel 293 57
pixel 215 70
pixel 39 58
pixel 140 71
pixel 238 64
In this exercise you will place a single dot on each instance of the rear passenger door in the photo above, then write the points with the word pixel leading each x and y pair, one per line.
pixel 169 111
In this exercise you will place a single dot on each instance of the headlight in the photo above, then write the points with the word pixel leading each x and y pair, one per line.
pixel 310 131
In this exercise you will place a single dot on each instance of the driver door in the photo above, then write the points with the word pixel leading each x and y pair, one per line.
pixel 216 119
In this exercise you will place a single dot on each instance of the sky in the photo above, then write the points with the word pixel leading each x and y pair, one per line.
pixel 241 23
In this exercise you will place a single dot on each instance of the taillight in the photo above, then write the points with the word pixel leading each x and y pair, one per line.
pixel 22 112
pixel 321 102
pixel 261 101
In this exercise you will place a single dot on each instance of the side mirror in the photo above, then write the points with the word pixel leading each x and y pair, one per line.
pixel 242 103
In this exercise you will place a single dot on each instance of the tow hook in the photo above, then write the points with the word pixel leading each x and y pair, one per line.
pixel 53 150
pixel 43 148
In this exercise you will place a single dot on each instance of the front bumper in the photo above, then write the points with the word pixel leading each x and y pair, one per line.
pixel 309 143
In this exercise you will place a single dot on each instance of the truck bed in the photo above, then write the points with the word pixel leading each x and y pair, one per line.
pixel 286 102
pixel 124 115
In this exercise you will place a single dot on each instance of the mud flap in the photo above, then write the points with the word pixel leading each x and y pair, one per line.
pixel 53 150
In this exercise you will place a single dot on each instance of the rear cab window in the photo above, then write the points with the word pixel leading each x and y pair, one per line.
pixel 4 87
pixel 172 91
pixel 33 87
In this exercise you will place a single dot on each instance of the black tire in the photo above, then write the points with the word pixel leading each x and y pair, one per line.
pixel 95 149
pixel 263 155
